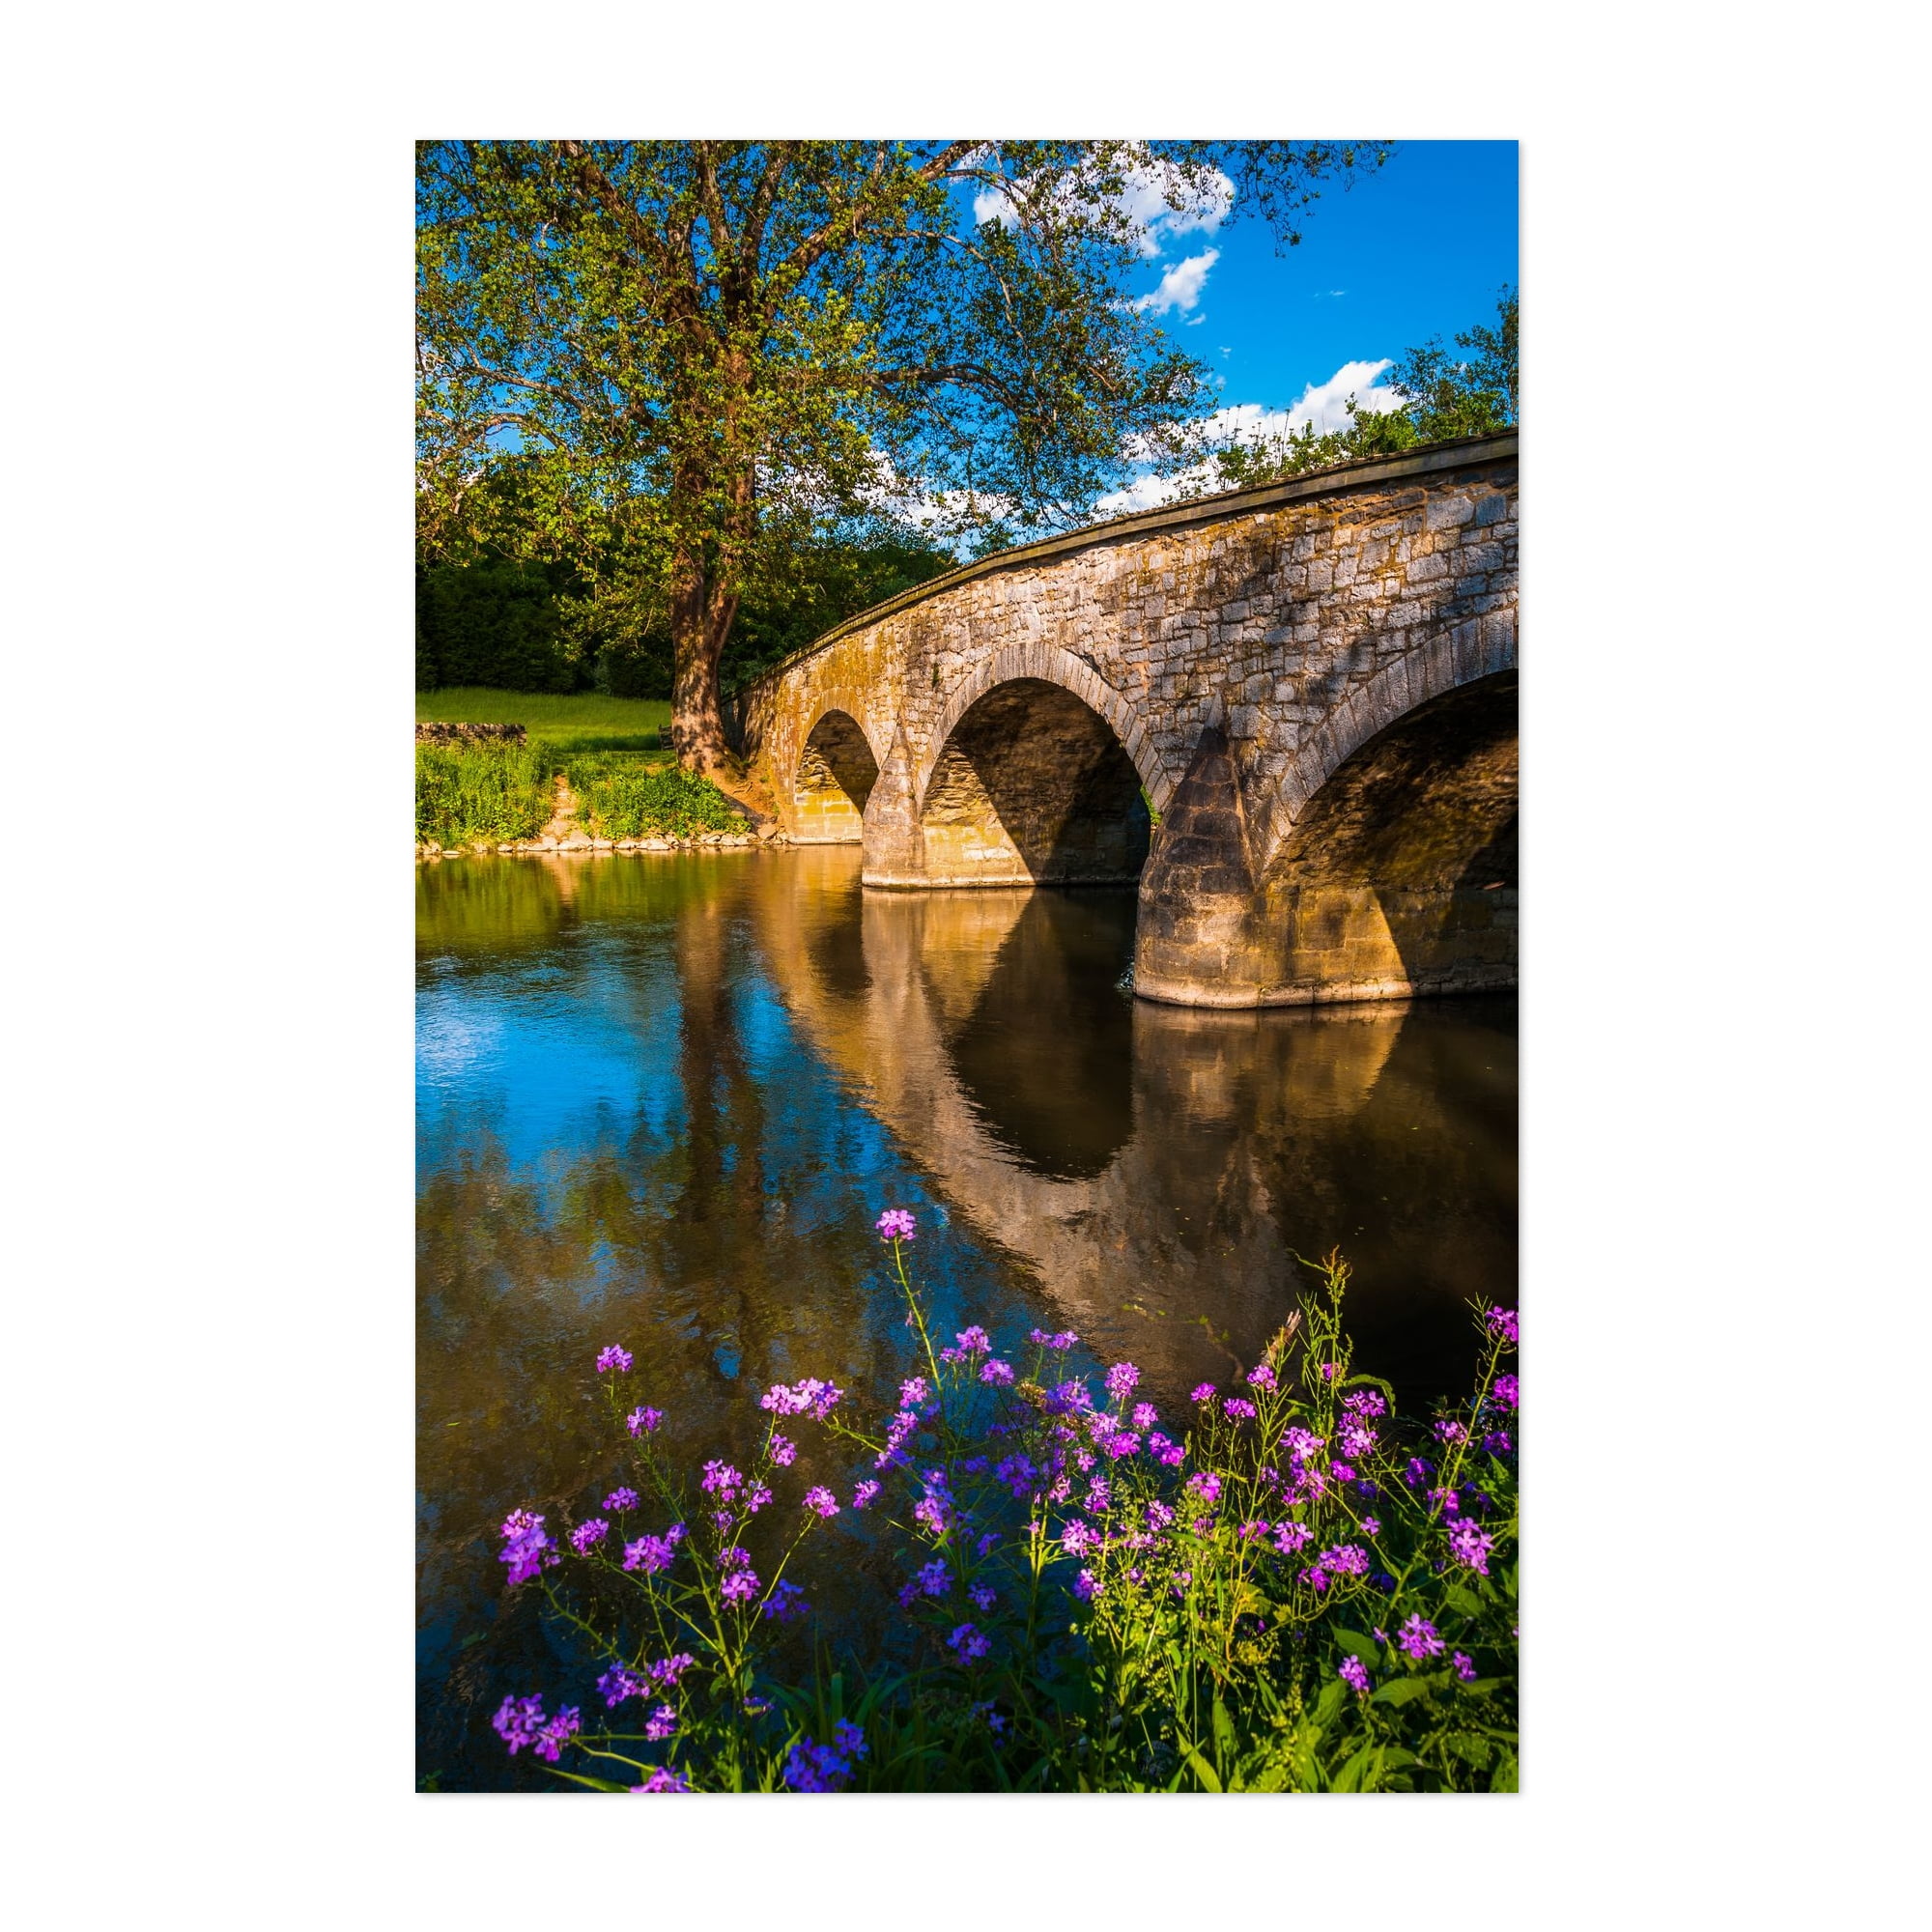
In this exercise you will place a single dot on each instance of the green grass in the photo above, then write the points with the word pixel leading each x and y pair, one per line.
pixel 585 720
pixel 467 792
pixel 619 797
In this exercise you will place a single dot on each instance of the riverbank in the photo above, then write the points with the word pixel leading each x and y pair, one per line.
pixel 584 846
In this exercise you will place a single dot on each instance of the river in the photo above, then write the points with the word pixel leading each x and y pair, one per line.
pixel 662 1099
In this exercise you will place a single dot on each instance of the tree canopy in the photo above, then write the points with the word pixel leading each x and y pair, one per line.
pixel 706 358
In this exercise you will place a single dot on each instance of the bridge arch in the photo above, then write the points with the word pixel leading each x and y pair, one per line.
pixel 1046 664
pixel 833 776
pixel 1462 655
pixel 1033 785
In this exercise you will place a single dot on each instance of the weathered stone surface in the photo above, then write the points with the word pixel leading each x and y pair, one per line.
pixel 999 727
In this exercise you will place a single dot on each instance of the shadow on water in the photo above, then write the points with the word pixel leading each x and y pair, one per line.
pixel 663 1099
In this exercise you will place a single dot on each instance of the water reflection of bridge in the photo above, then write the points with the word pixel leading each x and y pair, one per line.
pixel 1127 1153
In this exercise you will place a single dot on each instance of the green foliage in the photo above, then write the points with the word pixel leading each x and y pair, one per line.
pixel 1446 397
pixel 619 798
pixel 470 792
pixel 495 621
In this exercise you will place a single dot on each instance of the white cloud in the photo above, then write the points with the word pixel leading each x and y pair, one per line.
pixel 1181 287
pixel 1195 321
pixel 1144 201
pixel 1321 406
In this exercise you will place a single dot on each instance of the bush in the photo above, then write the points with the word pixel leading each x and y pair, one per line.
pixel 1299 1592
pixel 495 623
pixel 619 798
pixel 467 792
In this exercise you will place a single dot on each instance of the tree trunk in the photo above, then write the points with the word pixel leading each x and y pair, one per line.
pixel 702 615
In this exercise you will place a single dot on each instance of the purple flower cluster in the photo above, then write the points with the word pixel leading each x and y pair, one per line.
pixel 968 1644
pixel 811 1397
pixel 643 1421
pixel 1419 1637
pixel 518 1721
pixel 1204 1486
pixel 864 1493
pixel 721 1480
pixel 667 1670
pixel 816 1767
pixel 652 1554
pixel 1505 1391
pixel 664 1779
pixel 821 1502
pixel 661 1724
pixel 1121 1380
pixel 1261 1377
pixel 1355 1673
pixel 1066 1339
pixel 613 1358
pixel 1470 1544
pixel 1238 1408
pixel 1203 1392
pixel 619 1682
pixel 1502 1321
pixel 740 1586
pixel 895 1225
pixel 588 1534
pixel 788 1603
pixel 621 1499
pixel 526 1549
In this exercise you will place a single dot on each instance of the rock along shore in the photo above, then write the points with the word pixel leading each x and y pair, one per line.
pixel 580 844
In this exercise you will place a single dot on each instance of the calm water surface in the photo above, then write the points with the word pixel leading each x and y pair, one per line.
pixel 663 1097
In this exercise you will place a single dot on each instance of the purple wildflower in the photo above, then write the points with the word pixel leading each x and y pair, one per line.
pixel 821 1500
pixel 588 1534
pixel 968 1644
pixel 1502 1321
pixel 740 1587
pixel 1466 1666
pixel 1290 1537
pixel 788 1603
pixel 895 1225
pixel 1260 1376
pixel 1355 1673
pixel 913 1391
pixel 1470 1544
pixel 1204 1486
pixel 1345 1559
pixel 783 1451
pixel 720 1479
pixel 661 1724
pixel 667 1670
pixel 1238 1408
pixel 1085 1587
pixel 519 1721
pixel 650 1554
pixel 555 1735
pixel 643 1421
pixel 984 1596
pixel 621 1499
pixel 1506 1391
pixel 1367 1404
pixel 1372 1526
pixel 998 1373
pixel 1121 1381
pixel 1203 1392
pixel 929 1511
pixel 864 1493
pixel 1498 1442
pixel 619 1682
pixel 1066 1339
pixel 613 1358
pixel 757 1498
pixel 811 1397
pixel 1144 1415
pixel 664 1779
pixel 1419 1639
pixel 1418 1472
pixel 525 1548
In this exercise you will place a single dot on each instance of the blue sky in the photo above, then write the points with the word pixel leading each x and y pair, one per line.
pixel 1417 248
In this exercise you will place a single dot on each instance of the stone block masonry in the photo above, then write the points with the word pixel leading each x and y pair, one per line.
pixel 1224 663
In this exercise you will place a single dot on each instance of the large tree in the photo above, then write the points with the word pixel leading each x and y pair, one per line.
pixel 715 349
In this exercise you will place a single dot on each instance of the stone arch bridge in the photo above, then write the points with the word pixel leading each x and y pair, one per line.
pixel 1290 713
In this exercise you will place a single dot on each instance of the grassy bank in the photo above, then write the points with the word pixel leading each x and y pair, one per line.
pixel 605 747
pixel 582 720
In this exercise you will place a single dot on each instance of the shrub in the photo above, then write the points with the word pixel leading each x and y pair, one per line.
pixel 619 798
pixel 1292 1591
pixel 468 793
pixel 497 623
